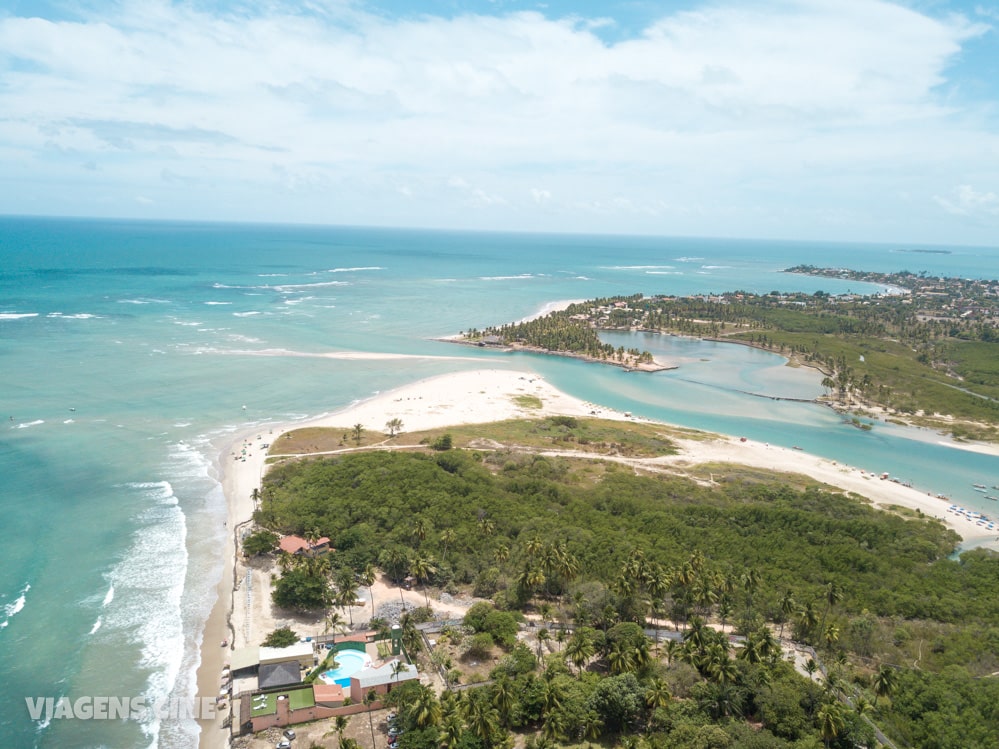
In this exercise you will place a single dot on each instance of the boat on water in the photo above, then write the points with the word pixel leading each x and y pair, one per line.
pixel 981 489
pixel 994 499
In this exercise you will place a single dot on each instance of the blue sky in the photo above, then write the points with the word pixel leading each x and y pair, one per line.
pixel 813 119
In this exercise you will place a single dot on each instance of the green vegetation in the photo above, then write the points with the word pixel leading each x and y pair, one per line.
pixel 527 401
pixel 260 542
pixel 931 353
pixel 565 332
pixel 589 544
pixel 281 637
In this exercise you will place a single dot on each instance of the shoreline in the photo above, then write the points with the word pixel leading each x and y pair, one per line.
pixel 484 396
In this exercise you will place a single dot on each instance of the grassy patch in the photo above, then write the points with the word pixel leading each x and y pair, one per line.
pixel 600 436
pixel 527 401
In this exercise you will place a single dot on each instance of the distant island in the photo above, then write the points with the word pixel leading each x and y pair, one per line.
pixel 924 352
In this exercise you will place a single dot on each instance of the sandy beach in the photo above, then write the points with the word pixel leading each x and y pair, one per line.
pixel 465 398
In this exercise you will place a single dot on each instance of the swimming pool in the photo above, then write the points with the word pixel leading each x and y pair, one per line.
pixel 350 662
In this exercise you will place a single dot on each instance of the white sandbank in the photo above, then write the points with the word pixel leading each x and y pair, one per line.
pixel 478 397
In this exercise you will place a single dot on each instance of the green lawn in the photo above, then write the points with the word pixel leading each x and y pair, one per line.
pixel 299 697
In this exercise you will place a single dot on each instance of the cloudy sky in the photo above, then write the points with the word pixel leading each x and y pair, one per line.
pixel 812 119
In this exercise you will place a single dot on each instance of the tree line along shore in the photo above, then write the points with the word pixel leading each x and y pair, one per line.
pixel 661 606
pixel 926 355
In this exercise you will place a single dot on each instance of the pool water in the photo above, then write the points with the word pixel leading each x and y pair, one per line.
pixel 351 661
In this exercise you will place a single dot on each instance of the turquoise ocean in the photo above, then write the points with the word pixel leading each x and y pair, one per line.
pixel 128 351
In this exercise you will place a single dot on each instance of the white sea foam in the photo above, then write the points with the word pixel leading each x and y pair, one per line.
pixel 506 278
pixel 34 423
pixel 77 316
pixel 352 270
pixel 187 324
pixel 636 267
pixel 217 303
pixel 245 314
pixel 97 626
pixel 15 606
pixel 664 272
pixel 69 421
pixel 144 301
pixel 690 259
pixel 715 267
pixel 272 275
pixel 285 288
pixel 145 605
pixel 16 315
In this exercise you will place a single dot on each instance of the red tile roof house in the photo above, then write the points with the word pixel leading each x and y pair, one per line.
pixel 298 545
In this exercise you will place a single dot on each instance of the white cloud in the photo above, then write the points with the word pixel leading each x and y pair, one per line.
pixel 540 196
pixel 750 106
pixel 965 200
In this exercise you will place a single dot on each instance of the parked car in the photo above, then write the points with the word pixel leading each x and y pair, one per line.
pixel 393 744
pixel 283 744
pixel 289 733
pixel 395 731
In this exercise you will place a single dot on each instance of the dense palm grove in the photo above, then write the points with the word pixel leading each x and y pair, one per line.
pixel 559 333
pixel 593 554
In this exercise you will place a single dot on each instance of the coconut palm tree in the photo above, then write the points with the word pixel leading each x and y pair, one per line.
pixel 808 617
pixel 423 568
pixel 358 430
pixel 334 620
pixel 534 547
pixel 448 537
pixel 657 694
pixel 833 595
pixel 451 731
pixel 671 649
pixel 369 699
pixel 346 596
pixel 486 526
pixel 420 528
pixel 340 725
pixel 398 667
pixel 811 667
pixel 831 721
pixel 482 719
pixel 394 426
pixel 620 658
pixel 502 553
pixel 543 637
pixel 579 650
pixel 592 725
pixel 787 605
pixel 425 708
pixel 503 697
pixel 831 635
pixel 367 579
pixel 884 683
pixel 749 652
